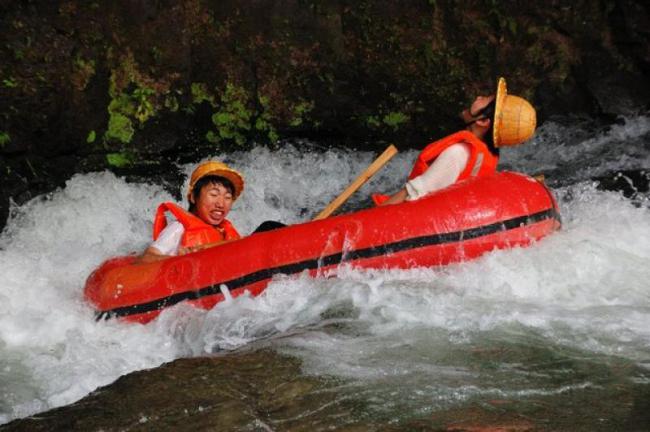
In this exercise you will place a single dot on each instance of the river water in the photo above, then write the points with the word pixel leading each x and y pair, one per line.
pixel 558 321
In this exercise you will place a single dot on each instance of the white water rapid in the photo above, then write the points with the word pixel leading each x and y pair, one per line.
pixel 400 337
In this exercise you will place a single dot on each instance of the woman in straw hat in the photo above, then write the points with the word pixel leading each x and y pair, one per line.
pixel 214 187
pixel 491 122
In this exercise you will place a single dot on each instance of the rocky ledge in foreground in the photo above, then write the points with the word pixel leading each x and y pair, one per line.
pixel 266 391
pixel 252 391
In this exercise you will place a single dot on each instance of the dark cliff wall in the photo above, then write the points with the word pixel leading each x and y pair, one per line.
pixel 86 85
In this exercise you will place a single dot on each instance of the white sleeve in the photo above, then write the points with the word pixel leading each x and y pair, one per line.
pixel 169 239
pixel 443 172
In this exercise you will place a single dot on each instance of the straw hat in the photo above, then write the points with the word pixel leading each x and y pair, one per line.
pixel 514 118
pixel 214 168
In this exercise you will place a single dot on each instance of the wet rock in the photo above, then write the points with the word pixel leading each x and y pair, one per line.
pixel 616 92
pixel 256 391
pixel 632 183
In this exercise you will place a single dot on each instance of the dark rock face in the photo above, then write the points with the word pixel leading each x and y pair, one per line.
pixel 87 85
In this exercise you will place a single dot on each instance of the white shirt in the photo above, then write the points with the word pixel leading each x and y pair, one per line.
pixel 444 171
pixel 169 239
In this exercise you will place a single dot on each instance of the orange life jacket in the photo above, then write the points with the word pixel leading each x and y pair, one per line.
pixel 196 232
pixel 481 161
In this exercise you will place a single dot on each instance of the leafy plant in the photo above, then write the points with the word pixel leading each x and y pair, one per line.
pixel 120 128
pixel 299 112
pixel 201 94
pixel 233 119
pixel 83 71
pixel 10 82
pixel 395 119
pixel 133 100
pixel 373 121
pixel 120 160
pixel 392 119
pixel 263 122
pixel 144 107
pixel 4 139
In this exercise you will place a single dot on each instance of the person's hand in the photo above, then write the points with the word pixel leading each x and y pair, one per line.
pixel 151 255
pixel 190 249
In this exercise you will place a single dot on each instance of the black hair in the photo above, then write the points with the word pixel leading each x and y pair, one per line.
pixel 203 181
pixel 488 139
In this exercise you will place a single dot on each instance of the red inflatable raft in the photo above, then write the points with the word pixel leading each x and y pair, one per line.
pixel 455 224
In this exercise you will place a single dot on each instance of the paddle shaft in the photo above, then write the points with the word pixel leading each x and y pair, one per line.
pixel 358 182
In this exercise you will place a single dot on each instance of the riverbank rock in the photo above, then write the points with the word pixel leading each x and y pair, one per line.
pixel 257 391
pixel 266 391
pixel 90 85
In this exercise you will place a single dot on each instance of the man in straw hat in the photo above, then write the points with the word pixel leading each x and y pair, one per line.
pixel 214 187
pixel 491 122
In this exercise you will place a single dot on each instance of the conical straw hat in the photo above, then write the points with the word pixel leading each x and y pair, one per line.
pixel 514 118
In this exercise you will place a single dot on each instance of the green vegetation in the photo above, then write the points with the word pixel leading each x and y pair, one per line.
pixel 128 107
pixel 233 119
pixel 264 121
pixel 201 94
pixel 171 103
pixel 299 112
pixel 137 105
pixel 120 160
pixel 9 82
pixel 4 139
pixel 393 120
pixel 91 137
pixel 236 119
pixel 120 128
pixel 83 71
pixel 373 122
pixel 144 107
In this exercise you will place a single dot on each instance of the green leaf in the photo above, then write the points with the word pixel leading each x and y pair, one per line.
pixel 394 119
pixel 4 139
pixel 373 122
pixel 91 137
pixel 120 160
pixel 120 128
pixel 212 137
pixel 201 94
pixel 10 83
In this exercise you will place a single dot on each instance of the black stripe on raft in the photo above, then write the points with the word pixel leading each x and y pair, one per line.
pixel 337 258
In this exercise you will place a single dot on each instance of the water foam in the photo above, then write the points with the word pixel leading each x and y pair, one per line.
pixel 582 151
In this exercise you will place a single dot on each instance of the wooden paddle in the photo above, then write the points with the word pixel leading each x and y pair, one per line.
pixel 390 151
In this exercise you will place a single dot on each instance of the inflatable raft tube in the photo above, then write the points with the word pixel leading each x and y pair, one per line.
pixel 455 224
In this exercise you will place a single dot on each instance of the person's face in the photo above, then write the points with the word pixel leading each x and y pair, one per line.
pixel 214 203
pixel 474 111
